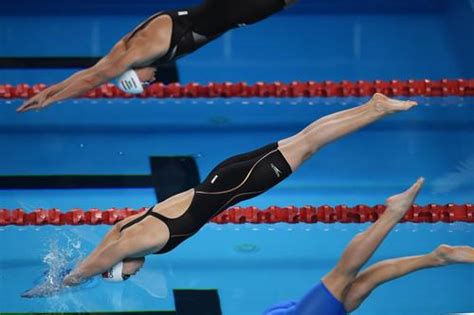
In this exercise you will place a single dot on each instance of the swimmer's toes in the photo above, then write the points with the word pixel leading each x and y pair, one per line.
pixel 388 105
pixel 402 202
pixel 415 188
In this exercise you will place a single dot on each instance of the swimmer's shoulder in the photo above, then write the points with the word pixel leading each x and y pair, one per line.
pixel 156 30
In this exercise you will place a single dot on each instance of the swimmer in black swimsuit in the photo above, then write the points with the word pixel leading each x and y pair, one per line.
pixel 169 223
pixel 163 37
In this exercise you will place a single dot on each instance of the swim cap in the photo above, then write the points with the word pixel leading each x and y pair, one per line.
pixel 129 82
pixel 115 274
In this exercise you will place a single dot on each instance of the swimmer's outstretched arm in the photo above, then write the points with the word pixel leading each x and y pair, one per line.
pixel 106 255
pixel 96 264
pixel 114 248
pixel 109 251
pixel 139 52
pixel 107 69
pixel 113 240
pixel 104 258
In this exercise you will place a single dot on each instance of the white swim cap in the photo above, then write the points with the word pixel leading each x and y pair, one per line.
pixel 114 274
pixel 129 82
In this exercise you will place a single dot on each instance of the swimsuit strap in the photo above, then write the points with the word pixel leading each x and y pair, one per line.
pixel 159 216
pixel 139 219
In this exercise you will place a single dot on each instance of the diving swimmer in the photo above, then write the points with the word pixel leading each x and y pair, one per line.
pixel 166 225
pixel 161 38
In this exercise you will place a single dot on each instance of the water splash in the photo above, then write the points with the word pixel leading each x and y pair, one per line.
pixel 59 261
pixel 462 175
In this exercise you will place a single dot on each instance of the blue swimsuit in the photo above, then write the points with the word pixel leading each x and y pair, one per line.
pixel 318 301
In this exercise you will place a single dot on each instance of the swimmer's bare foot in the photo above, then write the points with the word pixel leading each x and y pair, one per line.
pixel 446 254
pixel 399 204
pixel 388 105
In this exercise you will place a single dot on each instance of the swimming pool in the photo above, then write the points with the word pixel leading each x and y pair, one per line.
pixel 251 266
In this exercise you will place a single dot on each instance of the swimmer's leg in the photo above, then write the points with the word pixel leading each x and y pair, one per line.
pixel 361 248
pixel 392 269
pixel 303 145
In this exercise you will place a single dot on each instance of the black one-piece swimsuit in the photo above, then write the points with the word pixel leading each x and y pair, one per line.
pixel 236 179
pixel 196 26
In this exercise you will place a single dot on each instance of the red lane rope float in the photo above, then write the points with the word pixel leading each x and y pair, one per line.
pixel 309 214
pixel 429 88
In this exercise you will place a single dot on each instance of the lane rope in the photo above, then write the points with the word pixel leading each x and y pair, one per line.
pixel 431 213
pixel 427 88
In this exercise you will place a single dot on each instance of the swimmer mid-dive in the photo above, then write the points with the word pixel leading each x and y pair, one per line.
pixel 169 223
pixel 345 287
pixel 162 38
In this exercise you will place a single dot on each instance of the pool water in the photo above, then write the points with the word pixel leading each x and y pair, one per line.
pixel 251 266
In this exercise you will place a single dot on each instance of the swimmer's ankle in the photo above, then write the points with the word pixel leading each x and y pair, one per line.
pixel 441 255
pixel 377 102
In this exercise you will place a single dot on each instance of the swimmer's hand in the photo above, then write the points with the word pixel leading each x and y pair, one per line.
pixel 51 285
pixel 43 290
pixel 39 101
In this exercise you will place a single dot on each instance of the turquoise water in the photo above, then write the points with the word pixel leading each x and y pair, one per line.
pixel 251 266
